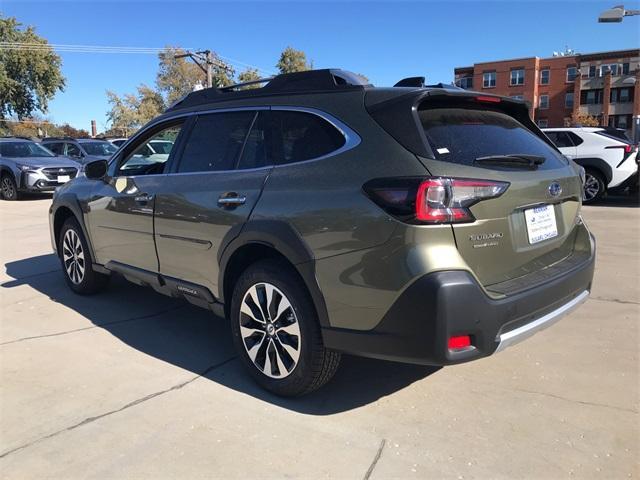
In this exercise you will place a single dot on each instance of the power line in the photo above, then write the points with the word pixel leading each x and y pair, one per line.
pixel 104 49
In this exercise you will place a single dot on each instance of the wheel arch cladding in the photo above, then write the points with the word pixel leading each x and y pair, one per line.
pixel 67 207
pixel 262 239
pixel 597 164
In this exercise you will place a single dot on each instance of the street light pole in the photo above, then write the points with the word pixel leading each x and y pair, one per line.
pixel 616 14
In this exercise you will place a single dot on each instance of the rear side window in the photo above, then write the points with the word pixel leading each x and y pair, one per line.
pixel 460 135
pixel 575 138
pixel 304 136
pixel 215 142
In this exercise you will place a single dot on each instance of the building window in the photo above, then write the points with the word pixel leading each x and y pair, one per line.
pixel 592 71
pixel 545 76
pixel 623 95
pixel 543 123
pixel 543 103
pixel 625 68
pixel 622 122
pixel 517 97
pixel 517 77
pixel 613 68
pixel 568 100
pixel 488 79
pixel 572 73
pixel 466 83
pixel 591 97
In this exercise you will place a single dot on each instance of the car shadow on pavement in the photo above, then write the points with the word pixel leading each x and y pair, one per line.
pixel 194 339
pixel 625 201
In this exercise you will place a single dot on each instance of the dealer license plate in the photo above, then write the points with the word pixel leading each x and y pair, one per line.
pixel 63 178
pixel 541 223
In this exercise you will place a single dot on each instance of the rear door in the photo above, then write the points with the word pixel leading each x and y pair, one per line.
pixel 532 224
pixel 211 192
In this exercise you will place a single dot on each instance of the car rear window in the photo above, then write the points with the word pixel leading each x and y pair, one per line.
pixel 460 135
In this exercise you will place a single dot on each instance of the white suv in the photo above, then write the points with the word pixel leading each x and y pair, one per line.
pixel 609 162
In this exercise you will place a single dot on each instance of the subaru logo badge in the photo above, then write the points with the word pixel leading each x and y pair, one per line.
pixel 555 189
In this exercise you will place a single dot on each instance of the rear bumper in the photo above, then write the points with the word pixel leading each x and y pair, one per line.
pixel 439 305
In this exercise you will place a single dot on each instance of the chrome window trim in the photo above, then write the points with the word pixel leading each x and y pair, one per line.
pixel 352 139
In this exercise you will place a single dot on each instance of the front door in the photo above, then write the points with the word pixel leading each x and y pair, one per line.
pixel 121 210
pixel 213 188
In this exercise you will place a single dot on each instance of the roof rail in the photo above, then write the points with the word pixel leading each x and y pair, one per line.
pixel 59 138
pixel 238 86
pixel 21 137
pixel 309 81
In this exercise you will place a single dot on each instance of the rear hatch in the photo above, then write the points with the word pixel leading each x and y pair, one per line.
pixel 531 225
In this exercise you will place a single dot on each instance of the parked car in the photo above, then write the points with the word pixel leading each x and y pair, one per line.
pixel 83 149
pixel 27 167
pixel 609 161
pixel 321 215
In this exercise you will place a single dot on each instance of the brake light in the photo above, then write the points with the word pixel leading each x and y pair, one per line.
pixel 485 98
pixel 460 342
pixel 627 147
pixel 447 200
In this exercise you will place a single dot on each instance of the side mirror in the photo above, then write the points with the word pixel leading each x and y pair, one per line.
pixel 96 170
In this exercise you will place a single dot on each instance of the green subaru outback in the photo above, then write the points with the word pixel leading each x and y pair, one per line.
pixel 322 216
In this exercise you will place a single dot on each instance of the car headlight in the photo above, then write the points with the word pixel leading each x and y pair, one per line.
pixel 25 168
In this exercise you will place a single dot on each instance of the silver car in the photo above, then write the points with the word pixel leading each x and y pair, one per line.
pixel 26 166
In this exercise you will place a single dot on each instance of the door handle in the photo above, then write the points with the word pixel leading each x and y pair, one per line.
pixel 231 200
pixel 143 198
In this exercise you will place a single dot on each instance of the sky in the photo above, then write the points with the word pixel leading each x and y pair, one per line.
pixel 384 40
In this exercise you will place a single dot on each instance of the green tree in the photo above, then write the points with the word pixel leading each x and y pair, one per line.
pixel 178 76
pixel 292 60
pixel 131 111
pixel 29 79
pixel 69 131
pixel 249 75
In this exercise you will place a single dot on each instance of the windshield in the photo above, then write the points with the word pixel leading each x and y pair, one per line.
pixel 23 149
pixel 461 135
pixel 99 148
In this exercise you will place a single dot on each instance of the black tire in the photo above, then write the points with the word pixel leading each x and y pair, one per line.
pixel 315 365
pixel 594 186
pixel 82 278
pixel 8 188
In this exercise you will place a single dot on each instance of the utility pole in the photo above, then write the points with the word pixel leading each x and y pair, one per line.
pixel 204 60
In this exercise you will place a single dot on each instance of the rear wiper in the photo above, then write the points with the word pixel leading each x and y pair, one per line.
pixel 513 160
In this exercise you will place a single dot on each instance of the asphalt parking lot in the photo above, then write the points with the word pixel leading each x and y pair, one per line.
pixel 132 384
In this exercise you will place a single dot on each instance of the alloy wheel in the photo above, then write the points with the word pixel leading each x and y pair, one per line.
pixel 73 256
pixel 591 187
pixel 270 330
pixel 7 188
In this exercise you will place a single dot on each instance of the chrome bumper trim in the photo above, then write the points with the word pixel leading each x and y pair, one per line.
pixel 525 331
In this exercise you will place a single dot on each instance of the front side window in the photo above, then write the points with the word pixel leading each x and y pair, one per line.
pixel 545 76
pixel 543 102
pixel 216 141
pixel 489 79
pixel 517 77
pixel 572 73
pixel 143 159
pixel 560 139
pixel 304 136
pixel 568 100
pixel 23 149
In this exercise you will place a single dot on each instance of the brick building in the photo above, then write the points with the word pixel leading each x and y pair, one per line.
pixel 604 85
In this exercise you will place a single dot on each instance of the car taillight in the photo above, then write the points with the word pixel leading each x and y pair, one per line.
pixel 447 200
pixel 432 200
